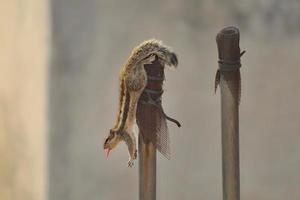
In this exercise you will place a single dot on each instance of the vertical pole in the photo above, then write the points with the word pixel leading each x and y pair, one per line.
pixel 147 170
pixel 228 76
pixel 146 120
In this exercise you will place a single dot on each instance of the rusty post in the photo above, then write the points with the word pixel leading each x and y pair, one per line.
pixel 146 118
pixel 228 77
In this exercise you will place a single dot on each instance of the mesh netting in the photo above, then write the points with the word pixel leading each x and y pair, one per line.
pixel 153 128
pixel 150 117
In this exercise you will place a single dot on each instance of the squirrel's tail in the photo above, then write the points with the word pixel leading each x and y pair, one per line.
pixel 168 56
pixel 156 47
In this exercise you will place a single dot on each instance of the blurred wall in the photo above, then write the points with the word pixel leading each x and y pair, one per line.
pixel 24 34
pixel 91 41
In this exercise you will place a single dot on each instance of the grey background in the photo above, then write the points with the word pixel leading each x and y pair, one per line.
pixel 90 42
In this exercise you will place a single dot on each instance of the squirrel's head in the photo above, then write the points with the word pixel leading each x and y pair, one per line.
pixel 111 141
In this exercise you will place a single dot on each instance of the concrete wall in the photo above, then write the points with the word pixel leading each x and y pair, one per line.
pixel 24 34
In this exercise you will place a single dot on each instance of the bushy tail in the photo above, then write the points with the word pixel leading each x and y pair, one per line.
pixel 167 55
pixel 156 47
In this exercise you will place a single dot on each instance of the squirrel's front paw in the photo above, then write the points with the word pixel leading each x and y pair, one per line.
pixel 130 163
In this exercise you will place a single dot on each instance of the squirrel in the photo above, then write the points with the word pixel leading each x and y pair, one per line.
pixel 133 80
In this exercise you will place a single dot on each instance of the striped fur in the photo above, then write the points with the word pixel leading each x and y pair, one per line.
pixel 133 80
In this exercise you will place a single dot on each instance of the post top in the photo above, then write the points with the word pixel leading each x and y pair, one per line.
pixel 230 31
pixel 228 48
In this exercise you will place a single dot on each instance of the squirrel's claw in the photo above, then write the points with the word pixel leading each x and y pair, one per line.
pixel 130 163
pixel 131 159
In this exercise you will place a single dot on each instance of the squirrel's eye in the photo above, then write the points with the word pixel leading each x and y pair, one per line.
pixel 111 135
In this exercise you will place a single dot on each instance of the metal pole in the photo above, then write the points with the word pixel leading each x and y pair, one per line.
pixel 146 120
pixel 228 76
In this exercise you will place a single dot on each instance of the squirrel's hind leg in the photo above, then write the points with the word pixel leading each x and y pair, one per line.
pixel 135 82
